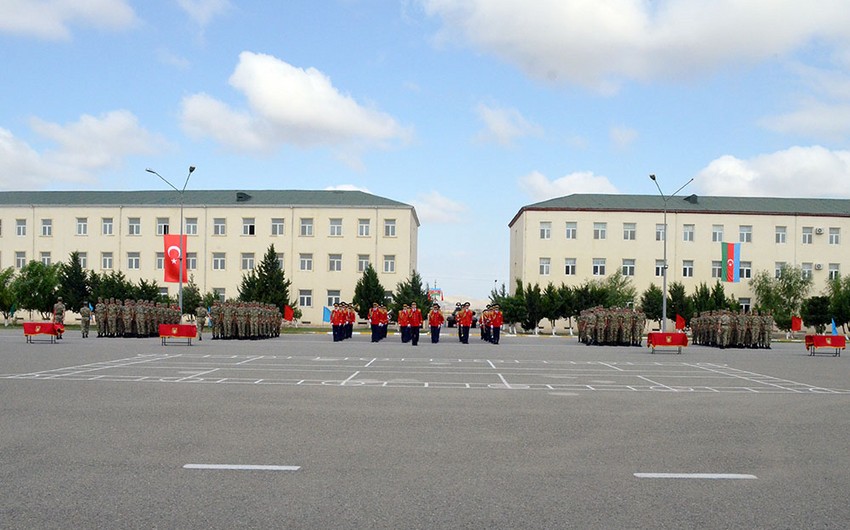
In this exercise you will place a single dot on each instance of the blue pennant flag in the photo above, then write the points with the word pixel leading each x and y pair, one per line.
pixel 834 328
pixel 326 315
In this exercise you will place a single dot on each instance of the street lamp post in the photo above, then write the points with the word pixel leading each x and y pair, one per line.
pixel 182 246
pixel 665 198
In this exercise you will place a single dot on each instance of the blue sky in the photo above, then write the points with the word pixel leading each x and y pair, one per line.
pixel 467 109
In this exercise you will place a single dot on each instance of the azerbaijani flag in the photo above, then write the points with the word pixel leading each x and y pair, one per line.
pixel 731 261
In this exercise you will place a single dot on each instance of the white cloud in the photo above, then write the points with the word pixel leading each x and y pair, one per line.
pixel 600 43
pixel 202 11
pixel 503 125
pixel 287 105
pixel 795 172
pixel 83 148
pixel 433 207
pixel 622 137
pixel 540 188
pixel 50 19
pixel 347 187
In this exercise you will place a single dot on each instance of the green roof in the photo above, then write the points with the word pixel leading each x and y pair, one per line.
pixel 693 204
pixel 341 198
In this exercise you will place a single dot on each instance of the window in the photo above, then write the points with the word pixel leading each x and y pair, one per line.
pixel 363 227
pixel 745 234
pixel 629 231
pixel 21 227
pixel 219 226
pixel 307 227
pixel 279 258
pixel 599 230
pixel 305 262
pixel 134 226
pixel 133 260
pixel 807 270
pixel 687 268
pixel 191 261
pixel 161 226
pixel 305 297
pixel 572 229
pixel 334 262
pixel 628 267
pixel 247 261
pixel 84 260
pixel 362 262
pixel 659 267
pixel 191 226
pixel 746 270
pixel 834 271
pixel 777 269
pixel 834 236
pixel 163 291
pixel 716 269
pixel 335 228
pixel 277 226
pixel 545 264
pixel 106 260
pixel 599 266
pixel 389 263
pixel 688 232
pixel 389 227
pixel 160 261
pixel 570 266
pixel 248 227
pixel 220 293
pixel 807 235
pixel 659 232
pixel 20 260
pixel 545 230
pixel 745 304
pixel 45 258
pixel 781 235
pixel 82 226
pixel 333 297
pixel 717 233
pixel 219 261
pixel 47 227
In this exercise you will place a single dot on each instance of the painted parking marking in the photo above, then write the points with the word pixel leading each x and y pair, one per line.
pixel 711 476
pixel 242 467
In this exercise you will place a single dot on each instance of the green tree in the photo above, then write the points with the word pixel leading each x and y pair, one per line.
pixel 273 283
pixel 409 291
pixel 568 304
pixel 589 294
pixel 73 283
pixel 839 299
pixel 147 290
pixel 367 291
pixel 113 285
pixel 35 287
pixel 651 302
pixel 552 305
pixel 513 306
pixel 619 290
pixel 680 302
pixel 533 307
pixel 7 295
pixel 815 312
pixel 249 287
pixel 701 299
pixel 191 296
pixel 719 300
pixel 781 296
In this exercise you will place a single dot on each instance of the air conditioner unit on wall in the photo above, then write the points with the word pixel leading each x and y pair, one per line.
pixel 818 266
pixel 818 231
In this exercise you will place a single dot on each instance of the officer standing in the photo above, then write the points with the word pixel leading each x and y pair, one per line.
pixel 200 320
pixel 85 319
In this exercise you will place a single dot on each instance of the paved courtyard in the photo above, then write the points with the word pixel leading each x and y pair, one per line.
pixel 303 432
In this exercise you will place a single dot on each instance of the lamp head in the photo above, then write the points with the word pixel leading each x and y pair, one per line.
pixel 652 177
pixel 191 169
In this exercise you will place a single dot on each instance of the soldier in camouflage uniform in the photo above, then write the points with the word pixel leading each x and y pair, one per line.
pixel 85 319
pixel 200 320
pixel 111 318
pixel 100 317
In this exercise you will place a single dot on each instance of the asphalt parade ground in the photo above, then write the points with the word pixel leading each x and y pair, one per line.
pixel 537 432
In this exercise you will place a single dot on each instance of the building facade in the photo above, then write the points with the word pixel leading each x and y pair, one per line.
pixel 583 237
pixel 323 239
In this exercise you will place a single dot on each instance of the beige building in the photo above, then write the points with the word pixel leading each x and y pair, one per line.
pixel 582 237
pixel 323 239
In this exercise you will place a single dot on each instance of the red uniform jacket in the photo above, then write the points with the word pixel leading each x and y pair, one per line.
pixel 435 318
pixel 403 317
pixel 464 318
pixel 415 318
pixel 496 319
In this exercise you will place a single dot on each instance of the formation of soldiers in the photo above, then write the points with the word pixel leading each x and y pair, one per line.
pixel 245 320
pixel 343 318
pixel 132 318
pixel 725 329
pixel 611 326
pixel 490 323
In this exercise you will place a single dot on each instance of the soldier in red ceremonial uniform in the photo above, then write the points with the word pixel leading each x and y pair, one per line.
pixel 385 321
pixel 415 322
pixel 404 323
pixel 375 321
pixel 337 321
pixel 435 321
pixel 464 321
pixel 496 321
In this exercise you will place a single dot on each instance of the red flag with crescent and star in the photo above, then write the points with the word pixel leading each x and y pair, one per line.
pixel 174 257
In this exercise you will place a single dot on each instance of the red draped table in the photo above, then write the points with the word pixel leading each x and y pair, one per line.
pixel 836 343
pixel 32 329
pixel 657 339
pixel 177 331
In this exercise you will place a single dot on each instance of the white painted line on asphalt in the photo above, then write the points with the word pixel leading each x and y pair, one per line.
pixel 251 359
pixel 352 376
pixel 721 476
pixel 370 362
pixel 504 381
pixel 655 383
pixel 242 467
pixel 196 375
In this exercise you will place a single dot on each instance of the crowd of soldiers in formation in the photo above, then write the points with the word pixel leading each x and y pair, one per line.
pixel 244 320
pixel 725 329
pixel 611 326
pixel 132 318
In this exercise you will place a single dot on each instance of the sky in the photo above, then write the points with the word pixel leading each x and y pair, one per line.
pixel 466 109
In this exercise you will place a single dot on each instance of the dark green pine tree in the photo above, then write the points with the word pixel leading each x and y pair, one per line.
pixel 410 290
pixel 73 283
pixel 367 291
pixel 271 281
pixel 249 288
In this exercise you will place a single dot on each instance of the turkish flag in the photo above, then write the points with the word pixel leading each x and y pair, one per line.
pixel 174 251
pixel 680 322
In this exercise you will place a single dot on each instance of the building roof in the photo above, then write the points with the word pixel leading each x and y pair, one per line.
pixel 305 198
pixel 693 204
